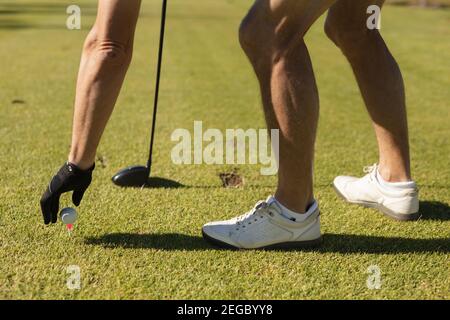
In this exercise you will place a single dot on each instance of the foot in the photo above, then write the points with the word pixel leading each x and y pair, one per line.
pixel 396 200
pixel 266 227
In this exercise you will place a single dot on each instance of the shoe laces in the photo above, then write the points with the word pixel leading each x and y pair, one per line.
pixel 262 207
pixel 371 170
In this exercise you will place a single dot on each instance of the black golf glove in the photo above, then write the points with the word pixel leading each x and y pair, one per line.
pixel 68 178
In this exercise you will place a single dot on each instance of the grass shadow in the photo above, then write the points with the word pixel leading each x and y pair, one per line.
pixel 345 244
pixel 333 243
pixel 434 210
pixel 137 182
pixel 158 182
pixel 169 241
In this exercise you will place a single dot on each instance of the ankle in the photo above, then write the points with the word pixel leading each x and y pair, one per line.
pixel 393 176
pixel 298 204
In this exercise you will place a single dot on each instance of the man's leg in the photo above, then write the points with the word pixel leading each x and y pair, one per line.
pixel 387 187
pixel 105 60
pixel 380 81
pixel 272 37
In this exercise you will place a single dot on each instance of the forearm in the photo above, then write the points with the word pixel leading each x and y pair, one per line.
pixel 99 84
pixel 106 56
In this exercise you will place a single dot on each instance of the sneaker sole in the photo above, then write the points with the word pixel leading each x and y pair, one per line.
pixel 386 211
pixel 284 245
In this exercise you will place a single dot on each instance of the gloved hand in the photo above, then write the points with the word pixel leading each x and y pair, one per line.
pixel 68 178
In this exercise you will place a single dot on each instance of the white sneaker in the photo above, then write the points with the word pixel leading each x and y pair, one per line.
pixel 265 227
pixel 401 201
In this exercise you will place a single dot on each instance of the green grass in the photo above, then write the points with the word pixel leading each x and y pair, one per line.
pixel 146 243
pixel 432 3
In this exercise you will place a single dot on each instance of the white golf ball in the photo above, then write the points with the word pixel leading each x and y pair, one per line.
pixel 68 215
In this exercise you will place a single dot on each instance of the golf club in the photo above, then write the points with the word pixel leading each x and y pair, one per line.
pixel 138 176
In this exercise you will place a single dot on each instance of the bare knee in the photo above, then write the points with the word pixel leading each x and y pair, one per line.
pixel 246 32
pixel 350 35
pixel 253 38
pixel 331 31
pixel 266 42
pixel 108 51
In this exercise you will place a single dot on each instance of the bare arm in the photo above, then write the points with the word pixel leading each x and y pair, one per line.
pixel 106 56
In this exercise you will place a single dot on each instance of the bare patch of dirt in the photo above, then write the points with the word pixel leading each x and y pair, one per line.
pixel 231 180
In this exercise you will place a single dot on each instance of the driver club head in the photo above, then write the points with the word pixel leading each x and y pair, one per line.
pixel 136 176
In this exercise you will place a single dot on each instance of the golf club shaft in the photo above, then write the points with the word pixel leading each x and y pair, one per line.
pixel 158 77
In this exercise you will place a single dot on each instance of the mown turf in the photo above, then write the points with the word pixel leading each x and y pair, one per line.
pixel 146 243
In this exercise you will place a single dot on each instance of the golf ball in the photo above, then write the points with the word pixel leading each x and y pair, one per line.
pixel 68 215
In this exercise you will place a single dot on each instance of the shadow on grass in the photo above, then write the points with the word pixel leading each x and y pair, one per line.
pixel 332 243
pixel 162 183
pixel 165 183
pixel 434 210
